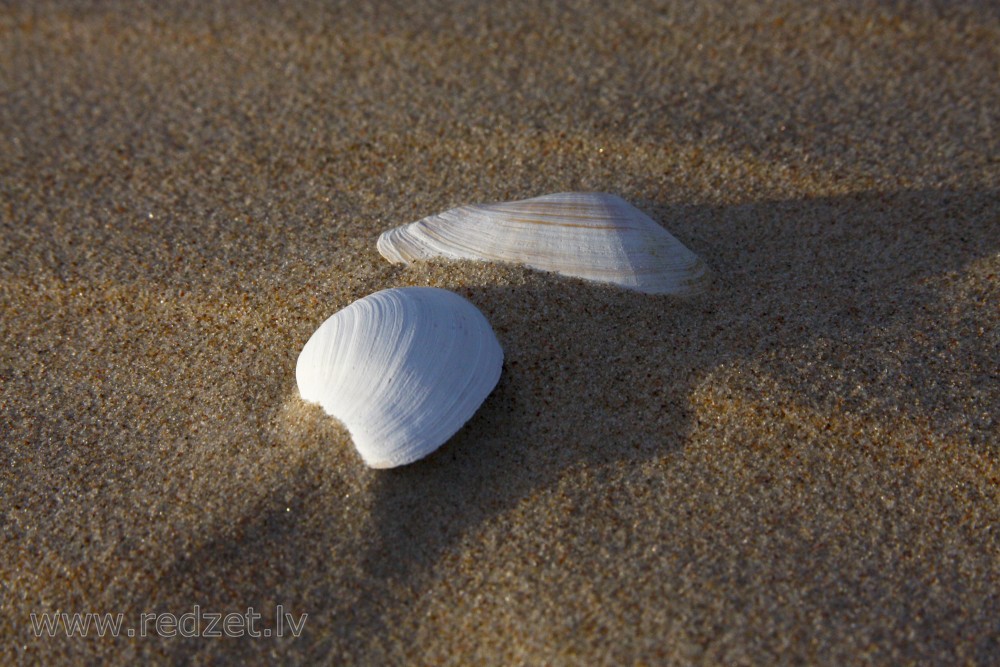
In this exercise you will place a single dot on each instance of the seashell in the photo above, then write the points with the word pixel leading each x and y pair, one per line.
pixel 589 235
pixel 403 369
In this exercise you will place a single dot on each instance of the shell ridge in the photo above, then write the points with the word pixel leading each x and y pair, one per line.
pixel 403 369
pixel 595 236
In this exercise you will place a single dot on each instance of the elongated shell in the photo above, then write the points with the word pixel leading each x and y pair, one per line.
pixel 403 369
pixel 588 235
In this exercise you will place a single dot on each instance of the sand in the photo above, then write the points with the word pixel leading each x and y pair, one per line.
pixel 799 466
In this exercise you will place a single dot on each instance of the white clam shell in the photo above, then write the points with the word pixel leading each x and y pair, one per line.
pixel 403 369
pixel 590 235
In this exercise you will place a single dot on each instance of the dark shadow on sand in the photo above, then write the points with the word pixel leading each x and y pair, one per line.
pixel 830 278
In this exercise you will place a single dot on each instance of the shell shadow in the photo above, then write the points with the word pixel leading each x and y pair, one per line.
pixel 595 375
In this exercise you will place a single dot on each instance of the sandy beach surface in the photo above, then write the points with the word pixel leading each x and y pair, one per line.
pixel 799 466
